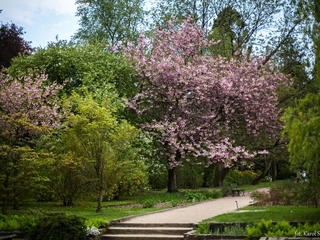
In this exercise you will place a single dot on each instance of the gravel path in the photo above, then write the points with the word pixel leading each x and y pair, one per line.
pixel 196 213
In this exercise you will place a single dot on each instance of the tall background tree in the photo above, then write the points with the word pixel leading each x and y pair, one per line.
pixel 11 43
pixel 248 21
pixel 90 65
pixel 110 20
pixel 302 122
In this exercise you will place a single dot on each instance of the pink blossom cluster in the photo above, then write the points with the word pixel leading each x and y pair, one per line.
pixel 28 98
pixel 193 102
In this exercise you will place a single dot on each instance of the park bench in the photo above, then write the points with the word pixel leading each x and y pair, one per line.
pixel 8 237
pixel 236 189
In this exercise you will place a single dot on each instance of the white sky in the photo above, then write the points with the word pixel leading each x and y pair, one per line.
pixel 42 20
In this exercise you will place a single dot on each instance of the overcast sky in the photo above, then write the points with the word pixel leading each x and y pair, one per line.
pixel 42 20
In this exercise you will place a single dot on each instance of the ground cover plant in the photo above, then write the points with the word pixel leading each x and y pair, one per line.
pixel 282 229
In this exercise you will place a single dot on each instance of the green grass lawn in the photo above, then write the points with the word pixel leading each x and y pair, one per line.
pixel 274 213
pixel 110 211
pixel 129 207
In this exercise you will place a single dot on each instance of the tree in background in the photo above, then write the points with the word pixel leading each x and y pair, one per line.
pixel 302 123
pixel 261 26
pixel 108 20
pixel 28 110
pixel 90 65
pixel 192 103
pixel 104 145
pixel 11 43
pixel 227 28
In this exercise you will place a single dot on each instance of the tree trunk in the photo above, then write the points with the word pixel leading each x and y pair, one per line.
pixel 172 175
pixel 267 165
pixel 15 197
pixel 6 194
pixel 172 180
pixel 4 205
pixel 274 171
pixel 100 198
pixel 219 174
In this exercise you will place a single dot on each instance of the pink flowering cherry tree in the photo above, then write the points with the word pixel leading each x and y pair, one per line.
pixel 28 107
pixel 28 110
pixel 192 102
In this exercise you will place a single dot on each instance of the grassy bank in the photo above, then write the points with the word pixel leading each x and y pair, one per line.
pixel 146 202
pixel 253 214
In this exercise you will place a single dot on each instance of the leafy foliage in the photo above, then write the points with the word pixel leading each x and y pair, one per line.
pixel 194 197
pixel 17 222
pixel 58 226
pixel 90 65
pixel 104 145
pixel 11 43
pixel 28 110
pixel 203 228
pixel 113 21
pixel 286 193
pixel 281 229
pixel 244 177
pixel 303 130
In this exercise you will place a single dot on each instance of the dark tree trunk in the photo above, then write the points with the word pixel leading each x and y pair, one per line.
pixel 100 198
pixel 5 197
pixel 274 171
pixel 219 174
pixel 267 165
pixel 15 197
pixel 172 180
pixel 172 176
pixel 4 205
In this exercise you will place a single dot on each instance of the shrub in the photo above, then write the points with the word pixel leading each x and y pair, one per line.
pixel 194 197
pixel 149 203
pixel 225 190
pixel 235 230
pixel 241 177
pixel 260 198
pixel 16 222
pixel 97 222
pixel 58 226
pixel 203 228
pixel 216 194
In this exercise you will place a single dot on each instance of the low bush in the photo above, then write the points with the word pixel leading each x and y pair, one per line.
pixel 58 226
pixel 216 194
pixel 260 198
pixel 149 203
pixel 234 230
pixel 203 228
pixel 194 197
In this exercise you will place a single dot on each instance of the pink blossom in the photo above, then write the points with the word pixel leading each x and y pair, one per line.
pixel 193 102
